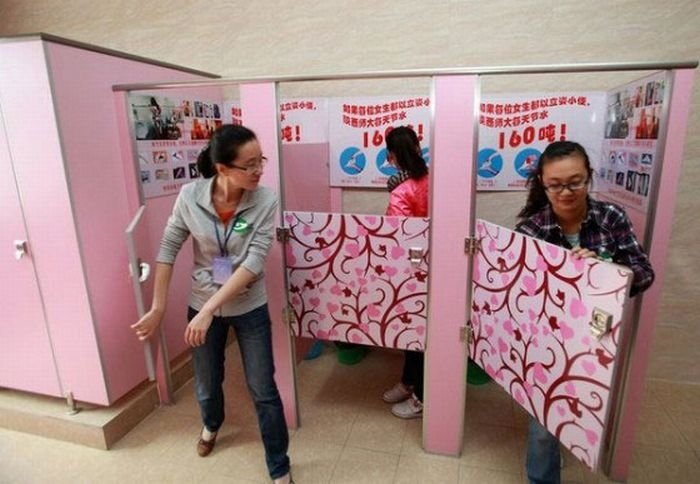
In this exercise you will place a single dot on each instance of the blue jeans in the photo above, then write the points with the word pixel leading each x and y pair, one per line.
pixel 543 455
pixel 254 334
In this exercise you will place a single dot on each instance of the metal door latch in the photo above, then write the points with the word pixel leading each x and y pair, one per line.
pixel 601 323
pixel 144 271
pixel 415 255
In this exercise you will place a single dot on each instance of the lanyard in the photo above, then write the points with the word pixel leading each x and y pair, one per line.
pixel 223 250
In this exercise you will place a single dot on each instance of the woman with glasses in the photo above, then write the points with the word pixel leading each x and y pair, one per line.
pixel 559 210
pixel 231 220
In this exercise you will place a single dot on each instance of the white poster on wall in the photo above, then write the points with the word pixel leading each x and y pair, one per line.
pixel 357 130
pixel 170 132
pixel 630 151
pixel 304 120
pixel 514 129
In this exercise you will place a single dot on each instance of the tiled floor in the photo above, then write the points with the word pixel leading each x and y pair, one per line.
pixel 348 435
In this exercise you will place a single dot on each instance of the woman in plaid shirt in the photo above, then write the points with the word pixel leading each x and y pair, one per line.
pixel 559 210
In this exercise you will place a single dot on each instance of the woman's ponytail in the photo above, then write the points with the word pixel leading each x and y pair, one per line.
pixel 205 164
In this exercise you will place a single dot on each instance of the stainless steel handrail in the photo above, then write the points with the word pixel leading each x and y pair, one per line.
pixel 407 73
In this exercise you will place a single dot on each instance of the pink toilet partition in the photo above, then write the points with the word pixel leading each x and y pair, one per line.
pixel 306 178
pixel 259 105
pixel 454 102
pixel 351 279
pixel 662 223
pixel 531 305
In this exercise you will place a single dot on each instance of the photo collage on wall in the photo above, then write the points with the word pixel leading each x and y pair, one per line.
pixel 633 118
pixel 170 133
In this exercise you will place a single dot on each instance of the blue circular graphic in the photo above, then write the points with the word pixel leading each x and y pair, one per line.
pixel 383 165
pixel 490 163
pixel 526 161
pixel 352 161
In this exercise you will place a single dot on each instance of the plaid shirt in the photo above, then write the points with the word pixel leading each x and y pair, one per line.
pixel 605 230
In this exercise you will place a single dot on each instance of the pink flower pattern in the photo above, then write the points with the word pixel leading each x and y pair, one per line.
pixel 531 305
pixel 350 278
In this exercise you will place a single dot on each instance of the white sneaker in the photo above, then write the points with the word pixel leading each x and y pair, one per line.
pixel 397 393
pixel 411 408
pixel 285 479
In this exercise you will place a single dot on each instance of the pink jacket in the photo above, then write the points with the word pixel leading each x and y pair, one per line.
pixel 410 198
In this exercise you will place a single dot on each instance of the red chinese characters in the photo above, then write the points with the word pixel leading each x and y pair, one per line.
pixel 378 115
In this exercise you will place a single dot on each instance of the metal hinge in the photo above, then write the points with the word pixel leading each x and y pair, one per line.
pixel 465 333
pixel 472 245
pixel 282 234
pixel 288 315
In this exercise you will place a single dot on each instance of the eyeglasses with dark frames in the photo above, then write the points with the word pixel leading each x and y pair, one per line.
pixel 253 168
pixel 560 187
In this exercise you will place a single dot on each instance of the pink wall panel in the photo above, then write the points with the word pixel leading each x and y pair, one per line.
pixel 259 106
pixel 451 208
pixel 305 187
pixel 681 97
pixel 31 124
pixel 88 125
pixel 26 359
pixel 306 178
pixel 336 200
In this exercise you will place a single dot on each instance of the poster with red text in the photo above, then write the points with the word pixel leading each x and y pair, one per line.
pixel 514 129
pixel 357 130
pixel 304 120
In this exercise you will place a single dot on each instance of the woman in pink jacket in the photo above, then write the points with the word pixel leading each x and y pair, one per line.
pixel 409 198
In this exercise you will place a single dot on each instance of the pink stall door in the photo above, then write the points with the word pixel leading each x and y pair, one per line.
pixel 26 359
pixel 539 329
pixel 358 278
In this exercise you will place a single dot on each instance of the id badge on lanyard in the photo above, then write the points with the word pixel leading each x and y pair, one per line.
pixel 222 266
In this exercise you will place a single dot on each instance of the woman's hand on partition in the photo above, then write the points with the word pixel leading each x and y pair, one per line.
pixel 148 324
pixel 196 331
pixel 581 253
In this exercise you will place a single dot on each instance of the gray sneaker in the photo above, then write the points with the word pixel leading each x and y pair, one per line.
pixel 397 393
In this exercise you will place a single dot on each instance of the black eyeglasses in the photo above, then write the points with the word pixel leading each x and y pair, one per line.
pixel 254 168
pixel 560 187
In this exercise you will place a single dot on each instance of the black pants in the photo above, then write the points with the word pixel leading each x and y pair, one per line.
pixel 413 372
